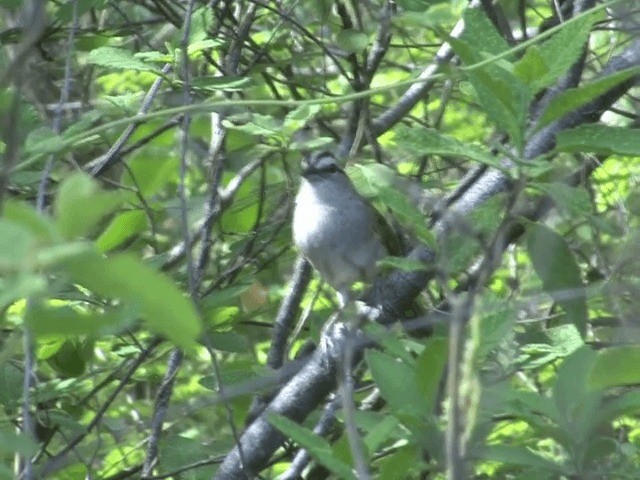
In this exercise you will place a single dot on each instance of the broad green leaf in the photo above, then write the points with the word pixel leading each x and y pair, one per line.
pixel 522 457
pixel 70 359
pixel 315 445
pixel 503 96
pixel 43 141
pixel 352 41
pixel 80 205
pixel 296 119
pixel 615 367
pixel 124 226
pixel 391 377
pixel 45 320
pixel 112 57
pixel 165 308
pixel 573 98
pixel 557 268
pixel 17 246
pixel 600 139
pixel 201 21
pixel 491 325
pixel 229 342
pixel 481 34
pixel 544 63
pixel 429 369
pixel 227 83
pixel 258 124
pixel 531 67
pixel 570 387
pixel 23 214
pixel 422 141
pixel 10 386
pixel 12 442
pixel 402 263
pixel 574 200
pixel 414 5
pixel 379 183
pixel 22 285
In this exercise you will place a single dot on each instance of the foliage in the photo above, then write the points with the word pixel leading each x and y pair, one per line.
pixel 151 154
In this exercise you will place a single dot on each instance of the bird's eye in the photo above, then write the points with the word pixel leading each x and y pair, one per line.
pixel 333 168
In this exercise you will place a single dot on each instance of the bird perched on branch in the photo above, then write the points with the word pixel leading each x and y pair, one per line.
pixel 335 228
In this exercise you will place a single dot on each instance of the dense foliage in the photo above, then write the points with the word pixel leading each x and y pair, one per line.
pixel 156 321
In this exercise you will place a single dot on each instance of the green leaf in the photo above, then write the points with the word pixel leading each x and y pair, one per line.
pixel 70 359
pixel 26 216
pixel 573 98
pixel 124 226
pixel 298 118
pixel 557 268
pixel 429 369
pixel 11 442
pixel 44 141
pixel 17 246
pixel 422 141
pixel 570 387
pixel 80 205
pixel 480 33
pixel 229 342
pixel 352 41
pixel 46 320
pixel 574 200
pixel 615 367
pixel 22 285
pixel 491 325
pixel 600 139
pixel 317 446
pixel 118 58
pixel 521 457
pixel 544 63
pixel 164 307
pixel 402 263
pixel 391 376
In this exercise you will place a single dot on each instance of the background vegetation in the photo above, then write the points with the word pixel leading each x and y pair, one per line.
pixel 156 322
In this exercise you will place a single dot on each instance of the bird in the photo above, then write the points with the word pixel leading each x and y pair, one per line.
pixel 334 227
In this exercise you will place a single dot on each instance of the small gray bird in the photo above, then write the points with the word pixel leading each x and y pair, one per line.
pixel 334 227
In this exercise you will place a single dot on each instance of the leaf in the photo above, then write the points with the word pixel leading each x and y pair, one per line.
pixel 573 98
pixel 570 388
pixel 615 367
pixel 402 263
pixel 123 226
pixel 491 325
pixel 46 320
pixel 556 266
pixel 298 118
pixel 480 33
pixel 522 457
pixel 600 139
pixel 429 369
pixel 118 58
pixel 543 64
pixel 422 141
pixel 11 442
pixel 16 246
pixel 24 215
pixel 391 377
pixel 229 342
pixel 573 200
pixel 352 41
pixel 316 446
pixel 164 307
pixel 80 205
